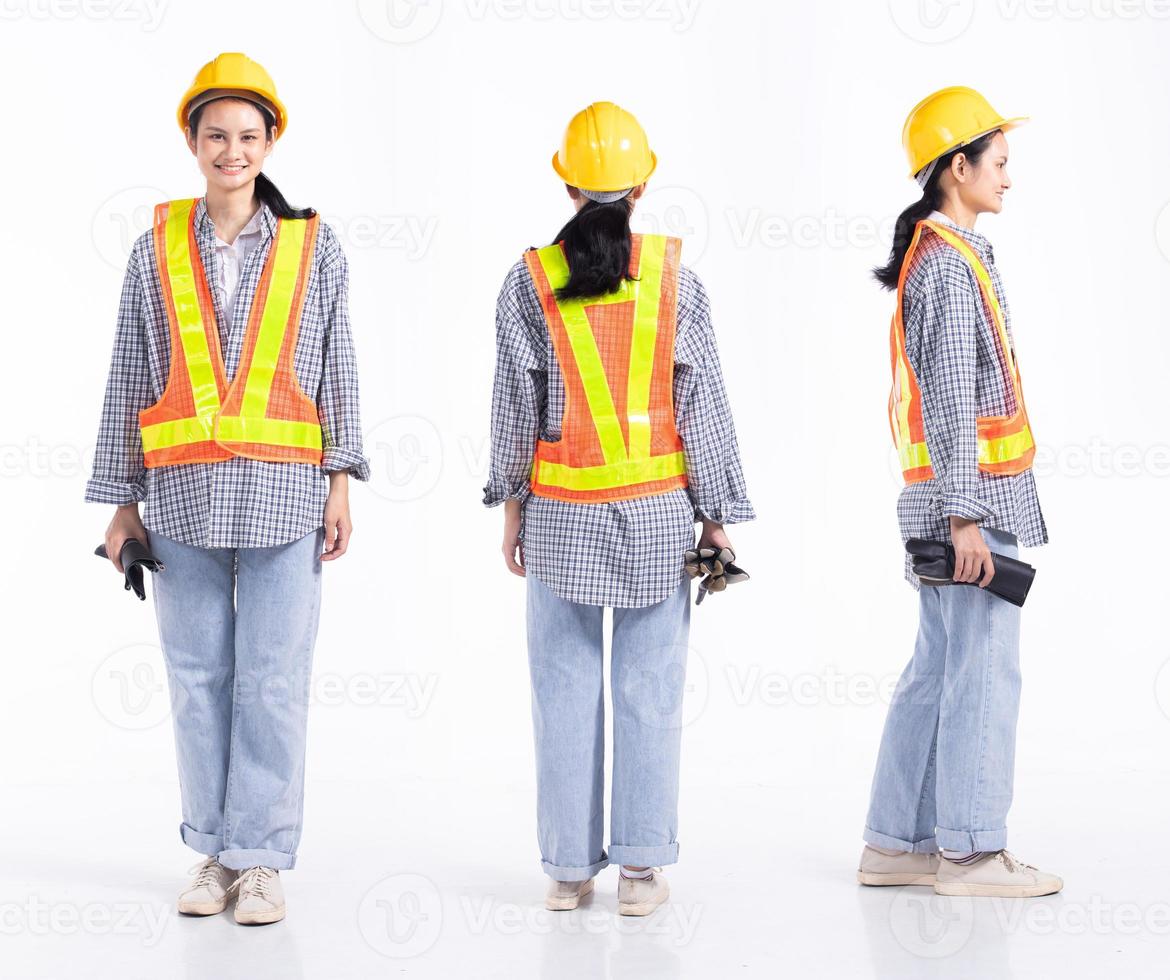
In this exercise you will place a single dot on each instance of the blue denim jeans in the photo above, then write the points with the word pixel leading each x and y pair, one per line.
pixel 237 628
pixel 647 672
pixel 945 767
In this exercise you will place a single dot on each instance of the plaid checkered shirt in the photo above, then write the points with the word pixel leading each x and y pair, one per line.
pixel 240 502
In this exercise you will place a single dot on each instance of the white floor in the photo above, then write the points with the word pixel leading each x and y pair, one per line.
pixel 431 879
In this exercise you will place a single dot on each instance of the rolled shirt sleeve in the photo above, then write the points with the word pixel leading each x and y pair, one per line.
pixel 948 320
pixel 519 389
pixel 715 481
pixel 119 471
pixel 338 402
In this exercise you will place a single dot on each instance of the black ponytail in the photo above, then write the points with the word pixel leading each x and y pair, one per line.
pixel 889 273
pixel 597 249
pixel 268 193
pixel 266 190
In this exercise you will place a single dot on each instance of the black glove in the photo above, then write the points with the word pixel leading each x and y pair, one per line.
pixel 135 557
pixel 716 565
pixel 934 564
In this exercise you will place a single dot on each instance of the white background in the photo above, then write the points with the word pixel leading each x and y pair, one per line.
pixel 423 132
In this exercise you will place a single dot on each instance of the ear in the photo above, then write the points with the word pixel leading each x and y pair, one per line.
pixel 190 140
pixel 637 192
pixel 959 168
pixel 574 193
pixel 270 142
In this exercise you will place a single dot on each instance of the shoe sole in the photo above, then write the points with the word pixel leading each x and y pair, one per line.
pixel 567 904
pixel 202 908
pixel 958 889
pixel 259 918
pixel 639 908
pixel 889 878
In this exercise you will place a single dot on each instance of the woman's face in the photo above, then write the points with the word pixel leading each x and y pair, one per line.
pixel 981 187
pixel 231 143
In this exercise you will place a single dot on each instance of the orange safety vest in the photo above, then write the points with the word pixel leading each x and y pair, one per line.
pixel 616 354
pixel 1005 441
pixel 262 413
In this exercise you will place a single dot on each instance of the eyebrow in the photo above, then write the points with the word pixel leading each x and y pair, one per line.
pixel 250 129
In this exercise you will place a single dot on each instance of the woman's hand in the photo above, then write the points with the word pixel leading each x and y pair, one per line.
pixel 125 524
pixel 713 536
pixel 338 526
pixel 972 556
pixel 512 546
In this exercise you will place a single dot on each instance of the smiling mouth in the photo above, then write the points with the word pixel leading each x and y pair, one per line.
pixel 230 168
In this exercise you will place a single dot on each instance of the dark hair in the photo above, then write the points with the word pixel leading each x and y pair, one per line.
pixel 597 248
pixel 931 198
pixel 266 191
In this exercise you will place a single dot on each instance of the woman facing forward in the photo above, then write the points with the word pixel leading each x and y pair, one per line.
pixel 231 408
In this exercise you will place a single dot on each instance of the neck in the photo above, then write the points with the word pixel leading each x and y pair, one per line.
pixel 230 210
pixel 958 212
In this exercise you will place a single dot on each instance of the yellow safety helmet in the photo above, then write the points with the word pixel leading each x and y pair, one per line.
pixel 604 149
pixel 947 119
pixel 233 73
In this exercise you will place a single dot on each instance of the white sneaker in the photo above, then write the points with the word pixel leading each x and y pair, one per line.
pixel 564 895
pixel 261 898
pixel 641 896
pixel 207 894
pixel 903 868
pixel 998 875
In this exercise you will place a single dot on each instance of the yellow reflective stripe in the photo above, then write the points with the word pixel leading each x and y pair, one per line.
pixel 189 317
pixel 623 474
pixel 586 354
pixel 1003 449
pixel 647 298
pixel 902 403
pixel 176 432
pixel 290 240
pixel 270 432
pixel 913 455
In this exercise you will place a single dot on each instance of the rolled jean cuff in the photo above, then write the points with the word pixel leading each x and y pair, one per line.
pixel 972 840
pixel 928 845
pixel 643 857
pixel 208 845
pixel 239 860
pixel 560 873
